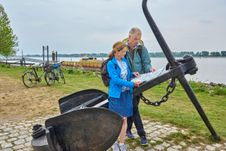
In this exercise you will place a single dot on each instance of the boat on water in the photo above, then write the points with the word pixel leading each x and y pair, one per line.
pixel 88 58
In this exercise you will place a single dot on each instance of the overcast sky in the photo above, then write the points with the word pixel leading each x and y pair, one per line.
pixel 76 26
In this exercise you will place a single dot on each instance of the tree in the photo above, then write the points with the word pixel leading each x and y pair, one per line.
pixel 215 54
pixel 205 53
pixel 223 53
pixel 8 41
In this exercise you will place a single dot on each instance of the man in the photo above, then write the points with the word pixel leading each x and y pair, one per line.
pixel 139 61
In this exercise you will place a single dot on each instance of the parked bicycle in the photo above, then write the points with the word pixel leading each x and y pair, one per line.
pixel 31 78
pixel 57 73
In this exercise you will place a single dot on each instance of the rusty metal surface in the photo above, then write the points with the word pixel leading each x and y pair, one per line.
pixel 40 144
pixel 82 99
pixel 90 129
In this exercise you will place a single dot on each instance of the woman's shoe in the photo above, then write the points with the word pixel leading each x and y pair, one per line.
pixel 115 147
pixel 123 147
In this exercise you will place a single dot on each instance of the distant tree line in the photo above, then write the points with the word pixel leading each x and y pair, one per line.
pixel 152 54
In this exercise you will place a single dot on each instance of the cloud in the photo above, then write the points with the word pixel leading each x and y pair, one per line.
pixel 74 26
pixel 205 21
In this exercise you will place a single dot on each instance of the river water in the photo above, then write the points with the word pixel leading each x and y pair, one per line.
pixel 209 69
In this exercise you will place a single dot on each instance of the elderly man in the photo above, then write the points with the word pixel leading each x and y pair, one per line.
pixel 139 61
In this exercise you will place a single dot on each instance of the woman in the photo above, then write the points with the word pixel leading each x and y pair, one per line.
pixel 120 89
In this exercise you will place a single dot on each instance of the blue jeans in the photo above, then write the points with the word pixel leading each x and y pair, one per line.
pixel 136 118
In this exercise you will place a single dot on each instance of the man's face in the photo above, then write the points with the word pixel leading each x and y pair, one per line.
pixel 134 39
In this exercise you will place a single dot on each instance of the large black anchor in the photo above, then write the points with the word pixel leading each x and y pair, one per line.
pixel 177 69
pixel 85 123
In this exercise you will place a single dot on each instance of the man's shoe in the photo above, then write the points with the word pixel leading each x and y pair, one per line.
pixel 123 147
pixel 129 135
pixel 115 147
pixel 143 140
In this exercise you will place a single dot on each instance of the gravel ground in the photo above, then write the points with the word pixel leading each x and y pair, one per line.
pixel 21 108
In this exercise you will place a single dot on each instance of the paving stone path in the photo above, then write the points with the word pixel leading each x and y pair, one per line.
pixel 16 136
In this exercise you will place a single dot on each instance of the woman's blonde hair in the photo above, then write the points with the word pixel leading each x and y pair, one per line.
pixel 118 46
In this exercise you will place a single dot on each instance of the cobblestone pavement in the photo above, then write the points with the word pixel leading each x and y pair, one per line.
pixel 17 136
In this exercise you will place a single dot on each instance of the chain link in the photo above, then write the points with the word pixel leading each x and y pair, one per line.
pixel 170 88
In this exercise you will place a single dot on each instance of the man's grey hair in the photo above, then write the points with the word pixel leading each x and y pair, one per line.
pixel 134 30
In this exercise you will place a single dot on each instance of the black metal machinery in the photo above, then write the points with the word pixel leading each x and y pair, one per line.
pixel 85 123
pixel 178 68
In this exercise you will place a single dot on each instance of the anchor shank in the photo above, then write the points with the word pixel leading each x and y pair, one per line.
pixel 158 35
pixel 198 107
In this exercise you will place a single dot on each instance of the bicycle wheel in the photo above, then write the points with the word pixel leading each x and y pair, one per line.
pixel 49 78
pixel 29 79
pixel 62 76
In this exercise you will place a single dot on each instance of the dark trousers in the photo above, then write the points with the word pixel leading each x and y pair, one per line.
pixel 136 118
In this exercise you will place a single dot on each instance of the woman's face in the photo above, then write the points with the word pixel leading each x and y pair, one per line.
pixel 122 53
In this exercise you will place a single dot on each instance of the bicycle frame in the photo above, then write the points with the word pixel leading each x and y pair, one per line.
pixel 37 78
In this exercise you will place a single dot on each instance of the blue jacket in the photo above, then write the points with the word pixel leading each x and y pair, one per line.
pixel 139 64
pixel 116 83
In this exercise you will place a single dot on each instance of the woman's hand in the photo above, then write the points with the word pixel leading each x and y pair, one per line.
pixel 152 69
pixel 136 74
pixel 137 83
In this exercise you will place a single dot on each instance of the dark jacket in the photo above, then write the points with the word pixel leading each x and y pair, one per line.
pixel 137 63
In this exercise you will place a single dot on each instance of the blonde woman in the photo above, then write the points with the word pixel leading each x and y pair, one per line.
pixel 120 89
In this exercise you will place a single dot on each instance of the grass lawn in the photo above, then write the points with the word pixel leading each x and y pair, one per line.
pixel 178 110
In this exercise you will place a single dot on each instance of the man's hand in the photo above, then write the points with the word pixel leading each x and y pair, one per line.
pixel 136 74
pixel 152 69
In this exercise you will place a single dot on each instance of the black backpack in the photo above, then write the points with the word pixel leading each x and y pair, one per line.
pixel 104 73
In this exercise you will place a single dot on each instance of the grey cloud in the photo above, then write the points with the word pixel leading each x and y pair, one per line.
pixel 73 25
pixel 205 21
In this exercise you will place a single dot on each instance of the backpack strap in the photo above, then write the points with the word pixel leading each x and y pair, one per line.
pixel 139 50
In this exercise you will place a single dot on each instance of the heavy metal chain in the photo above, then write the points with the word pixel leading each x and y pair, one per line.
pixel 170 88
